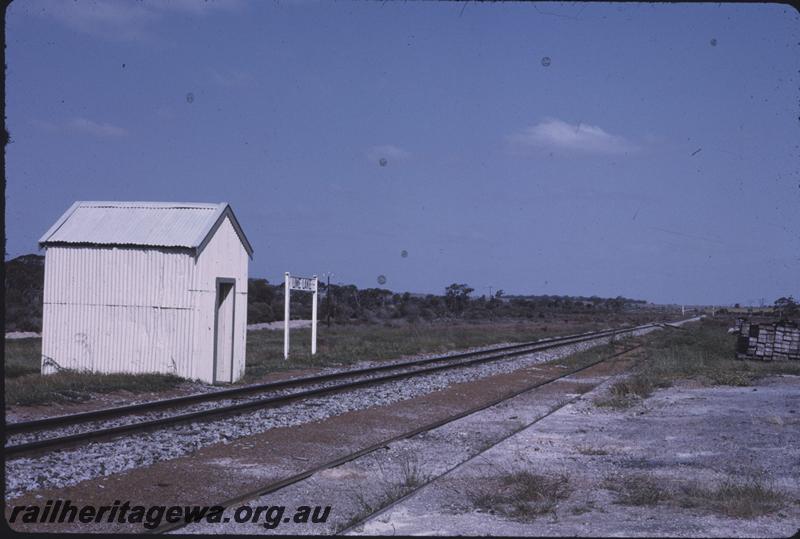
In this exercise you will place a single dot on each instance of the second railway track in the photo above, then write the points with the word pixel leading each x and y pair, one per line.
pixel 66 431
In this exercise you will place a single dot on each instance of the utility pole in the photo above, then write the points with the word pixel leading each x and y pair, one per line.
pixel 490 291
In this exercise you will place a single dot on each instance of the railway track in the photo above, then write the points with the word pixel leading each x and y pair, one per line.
pixel 58 432
pixel 354 525
pixel 276 486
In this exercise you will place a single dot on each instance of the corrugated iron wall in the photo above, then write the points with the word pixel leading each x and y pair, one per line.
pixel 118 310
pixel 118 276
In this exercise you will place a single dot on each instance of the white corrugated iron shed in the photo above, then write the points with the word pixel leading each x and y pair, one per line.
pixel 146 287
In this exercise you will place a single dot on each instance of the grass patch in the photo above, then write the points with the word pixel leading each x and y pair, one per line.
pixel 411 475
pixel 703 353
pixel 344 345
pixel 749 496
pixel 519 494
pixel 24 385
pixel 71 386
pixel 637 489
pixel 625 392
pixel 22 356
pixel 407 477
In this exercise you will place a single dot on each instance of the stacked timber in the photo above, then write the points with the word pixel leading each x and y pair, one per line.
pixel 778 341
pixel 740 327
pixel 787 342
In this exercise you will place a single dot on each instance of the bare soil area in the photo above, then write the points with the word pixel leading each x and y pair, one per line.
pixel 687 462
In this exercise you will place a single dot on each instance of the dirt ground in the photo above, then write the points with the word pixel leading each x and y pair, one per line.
pixel 680 437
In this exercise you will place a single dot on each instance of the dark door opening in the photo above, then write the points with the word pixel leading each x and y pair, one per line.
pixel 223 332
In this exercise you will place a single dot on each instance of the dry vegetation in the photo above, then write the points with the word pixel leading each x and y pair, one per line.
pixel 70 386
pixel 519 494
pixel 392 485
pixel 515 490
pixel 25 386
pixel 702 353
pixel 749 496
pixel 637 489
pixel 344 345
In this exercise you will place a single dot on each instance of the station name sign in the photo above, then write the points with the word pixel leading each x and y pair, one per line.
pixel 302 283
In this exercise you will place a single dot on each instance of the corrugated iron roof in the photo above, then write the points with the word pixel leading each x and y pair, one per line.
pixel 152 224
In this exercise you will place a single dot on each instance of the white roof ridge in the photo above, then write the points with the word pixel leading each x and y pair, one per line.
pixel 148 204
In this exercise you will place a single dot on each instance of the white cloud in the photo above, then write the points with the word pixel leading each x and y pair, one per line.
pixel 81 125
pixel 388 152
pixel 231 78
pixel 122 20
pixel 554 134
pixel 97 129
pixel 199 7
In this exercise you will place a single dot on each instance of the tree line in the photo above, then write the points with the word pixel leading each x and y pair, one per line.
pixel 348 303
pixel 343 303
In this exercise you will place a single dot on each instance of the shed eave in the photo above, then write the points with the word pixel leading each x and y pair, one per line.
pixel 52 230
pixel 85 244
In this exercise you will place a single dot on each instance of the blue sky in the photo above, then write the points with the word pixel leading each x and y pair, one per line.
pixel 654 156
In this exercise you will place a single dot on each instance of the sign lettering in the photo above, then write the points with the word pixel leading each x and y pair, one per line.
pixel 301 283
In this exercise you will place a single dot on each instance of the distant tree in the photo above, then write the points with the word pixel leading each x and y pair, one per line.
pixel 617 304
pixel 259 291
pixel 787 307
pixel 499 294
pixel 456 296
pixel 261 298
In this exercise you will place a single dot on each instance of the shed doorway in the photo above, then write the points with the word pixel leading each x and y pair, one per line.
pixel 223 331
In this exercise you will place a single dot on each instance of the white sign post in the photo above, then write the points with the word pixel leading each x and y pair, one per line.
pixel 306 284
pixel 286 295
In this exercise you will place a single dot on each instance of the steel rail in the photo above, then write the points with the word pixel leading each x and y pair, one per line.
pixel 363 520
pixel 130 409
pixel 207 414
pixel 296 478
